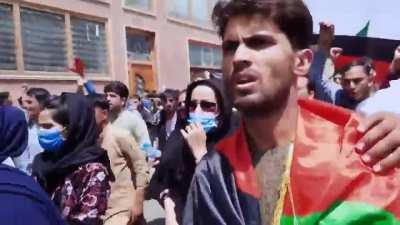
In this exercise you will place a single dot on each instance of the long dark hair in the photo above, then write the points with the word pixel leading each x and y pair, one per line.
pixel 40 94
pixel 74 112
pixel 178 163
pixel 224 106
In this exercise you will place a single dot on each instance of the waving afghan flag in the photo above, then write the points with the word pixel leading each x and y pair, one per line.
pixel 329 184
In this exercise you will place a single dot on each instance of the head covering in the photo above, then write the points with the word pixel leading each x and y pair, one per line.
pixel 177 164
pixel 13 132
pixel 22 197
pixel 224 106
pixel 80 146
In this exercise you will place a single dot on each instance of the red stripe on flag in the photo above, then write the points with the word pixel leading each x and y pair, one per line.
pixel 236 150
pixel 326 169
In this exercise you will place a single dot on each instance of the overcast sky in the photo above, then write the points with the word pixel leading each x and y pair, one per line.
pixel 350 16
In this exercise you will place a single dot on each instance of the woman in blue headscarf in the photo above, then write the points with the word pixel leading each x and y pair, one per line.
pixel 23 202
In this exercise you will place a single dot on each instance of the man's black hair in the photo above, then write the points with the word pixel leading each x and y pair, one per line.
pixel 366 62
pixel 117 87
pixel 169 93
pixel 291 16
pixel 40 94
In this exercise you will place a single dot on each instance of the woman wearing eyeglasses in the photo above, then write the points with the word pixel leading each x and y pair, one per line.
pixel 208 116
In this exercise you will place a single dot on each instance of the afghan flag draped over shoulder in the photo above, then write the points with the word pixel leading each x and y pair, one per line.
pixel 329 184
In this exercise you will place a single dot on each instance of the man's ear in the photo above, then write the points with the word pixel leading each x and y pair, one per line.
pixel 124 100
pixel 105 112
pixel 371 80
pixel 302 62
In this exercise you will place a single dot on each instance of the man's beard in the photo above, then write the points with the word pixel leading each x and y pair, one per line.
pixel 264 105
pixel 170 110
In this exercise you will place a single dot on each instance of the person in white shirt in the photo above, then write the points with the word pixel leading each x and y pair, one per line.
pixel 32 102
pixel 385 99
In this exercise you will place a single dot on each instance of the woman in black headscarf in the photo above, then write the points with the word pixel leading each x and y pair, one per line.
pixel 205 104
pixel 23 202
pixel 73 169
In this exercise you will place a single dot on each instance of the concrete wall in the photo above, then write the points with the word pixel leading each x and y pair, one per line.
pixel 171 44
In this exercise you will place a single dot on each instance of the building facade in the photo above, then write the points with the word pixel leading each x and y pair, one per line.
pixel 147 44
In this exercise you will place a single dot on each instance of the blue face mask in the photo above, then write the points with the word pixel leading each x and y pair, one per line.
pixel 208 122
pixel 147 104
pixel 51 140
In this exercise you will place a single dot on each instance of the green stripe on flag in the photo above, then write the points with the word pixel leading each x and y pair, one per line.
pixel 345 213
pixel 363 32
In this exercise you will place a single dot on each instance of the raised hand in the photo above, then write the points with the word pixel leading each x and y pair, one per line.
pixel 196 138
pixel 335 52
pixel 326 36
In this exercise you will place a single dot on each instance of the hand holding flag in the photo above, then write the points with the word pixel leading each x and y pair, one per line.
pixel 79 67
pixel 329 183
pixel 380 144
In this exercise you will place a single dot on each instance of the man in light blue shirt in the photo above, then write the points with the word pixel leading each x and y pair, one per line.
pixel 117 94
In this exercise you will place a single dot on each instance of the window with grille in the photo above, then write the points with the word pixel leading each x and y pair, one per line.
pixel 204 56
pixel 7 38
pixel 139 47
pixel 89 44
pixel 44 41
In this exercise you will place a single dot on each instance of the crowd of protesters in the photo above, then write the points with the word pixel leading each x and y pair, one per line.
pixel 214 152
